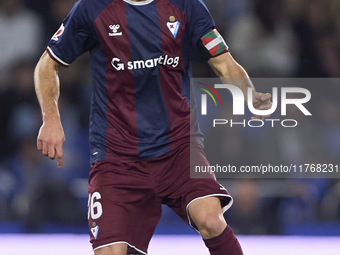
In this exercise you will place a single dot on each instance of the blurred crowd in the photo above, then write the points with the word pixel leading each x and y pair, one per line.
pixel 270 38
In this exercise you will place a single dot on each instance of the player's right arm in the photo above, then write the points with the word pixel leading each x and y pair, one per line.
pixel 74 37
pixel 51 134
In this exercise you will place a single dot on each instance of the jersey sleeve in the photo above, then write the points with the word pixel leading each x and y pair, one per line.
pixel 73 38
pixel 205 35
pixel 202 22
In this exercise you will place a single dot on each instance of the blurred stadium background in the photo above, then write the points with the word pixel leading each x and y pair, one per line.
pixel 270 38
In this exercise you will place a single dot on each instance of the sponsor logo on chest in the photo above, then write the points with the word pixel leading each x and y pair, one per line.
pixel 145 64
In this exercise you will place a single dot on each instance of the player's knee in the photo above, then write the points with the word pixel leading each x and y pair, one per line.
pixel 116 249
pixel 211 225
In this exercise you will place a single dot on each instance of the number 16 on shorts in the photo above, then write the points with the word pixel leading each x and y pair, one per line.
pixel 95 209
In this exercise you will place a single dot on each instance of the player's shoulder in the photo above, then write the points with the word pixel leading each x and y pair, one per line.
pixel 89 9
pixel 187 2
pixel 92 5
pixel 187 6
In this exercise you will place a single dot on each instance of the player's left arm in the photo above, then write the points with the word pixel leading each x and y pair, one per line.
pixel 215 50
pixel 230 71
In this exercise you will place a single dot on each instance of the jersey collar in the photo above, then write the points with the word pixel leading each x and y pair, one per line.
pixel 138 3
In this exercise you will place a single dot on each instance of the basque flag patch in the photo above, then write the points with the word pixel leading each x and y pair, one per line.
pixel 214 43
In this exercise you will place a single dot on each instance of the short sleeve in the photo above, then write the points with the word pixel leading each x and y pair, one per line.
pixel 202 21
pixel 205 36
pixel 73 38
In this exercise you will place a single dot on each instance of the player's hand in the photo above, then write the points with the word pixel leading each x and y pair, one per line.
pixel 261 101
pixel 50 140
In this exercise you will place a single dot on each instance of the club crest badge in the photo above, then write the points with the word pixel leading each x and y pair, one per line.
pixel 173 27
pixel 94 231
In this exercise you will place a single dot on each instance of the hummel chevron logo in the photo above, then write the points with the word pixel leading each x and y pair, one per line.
pixel 114 29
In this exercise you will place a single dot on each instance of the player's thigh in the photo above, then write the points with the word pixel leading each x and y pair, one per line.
pixel 122 207
pixel 115 249
pixel 205 194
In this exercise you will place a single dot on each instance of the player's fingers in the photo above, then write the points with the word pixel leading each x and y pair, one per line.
pixel 51 152
pixel 45 148
pixel 265 97
pixel 266 106
pixel 59 153
pixel 260 99
pixel 257 99
pixel 257 95
pixel 39 144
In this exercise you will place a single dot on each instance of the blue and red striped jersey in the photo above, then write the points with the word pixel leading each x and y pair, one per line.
pixel 140 64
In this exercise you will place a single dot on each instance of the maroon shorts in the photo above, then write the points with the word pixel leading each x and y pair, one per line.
pixel 125 198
